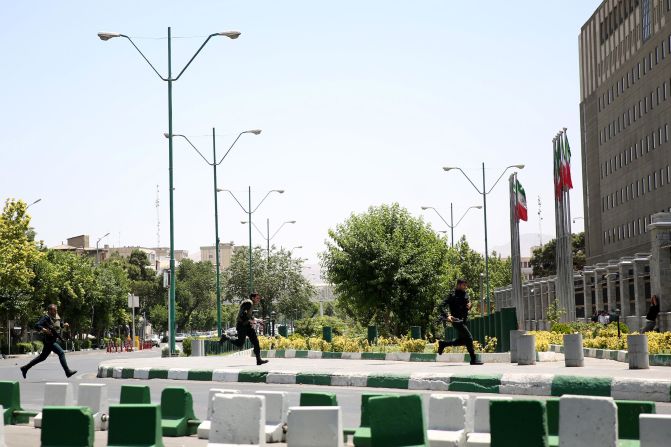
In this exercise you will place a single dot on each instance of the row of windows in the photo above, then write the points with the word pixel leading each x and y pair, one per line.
pixel 616 17
pixel 635 151
pixel 636 189
pixel 640 31
pixel 628 230
pixel 639 70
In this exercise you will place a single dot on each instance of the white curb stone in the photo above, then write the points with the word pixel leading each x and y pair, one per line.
pixel 655 429
pixel 526 384
pixel 281 377
pixel 290 354
pixel 587 421
pixel 428 381
pixel 178 373
pixel 270 354
pixel 141 373
pixel 641 389
pixel 351 355
pixel 117 372
pixel 397 356
pixel 314 354
pixel 450 358
pixel 225 375
pixel 351 379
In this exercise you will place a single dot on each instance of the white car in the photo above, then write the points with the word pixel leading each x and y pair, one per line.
pixel 155 340
pixel 179 337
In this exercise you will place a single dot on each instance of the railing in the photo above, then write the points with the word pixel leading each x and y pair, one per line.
pixel 212 347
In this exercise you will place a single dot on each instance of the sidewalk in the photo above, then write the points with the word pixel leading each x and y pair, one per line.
pixel 599 376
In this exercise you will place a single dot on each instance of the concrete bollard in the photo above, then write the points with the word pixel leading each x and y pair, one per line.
pixel 526 350
pixel 514 337
pixel 573 353
pixel 639 358
pixel 197 348
pixel 94 396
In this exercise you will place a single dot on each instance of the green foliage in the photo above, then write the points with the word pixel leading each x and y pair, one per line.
pixel 277 277
pixel 543 259
pixel 186 346
pixel 555 312
pixel 312 327
pixel 86 344
pixel 37 345
pixel 195 296
pixel 385 266
pixel 24 348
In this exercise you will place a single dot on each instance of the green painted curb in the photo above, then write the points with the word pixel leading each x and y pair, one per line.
pixel 331 355
pixel 264 353
pixel 158 373
pixel 279 354
pixel 373 356
pixel 301 354
pixel 252 376
pixel 109 373
pixel 388 381
pixel 421 357
pixel 127 373
pixel 313 379
pixel 196 374
pixel 660 359
pixel 584 386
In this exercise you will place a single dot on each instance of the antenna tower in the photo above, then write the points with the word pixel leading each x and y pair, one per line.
pixel 158 220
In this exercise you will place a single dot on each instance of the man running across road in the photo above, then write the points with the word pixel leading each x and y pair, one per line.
pixel 458 305
pixel 245 328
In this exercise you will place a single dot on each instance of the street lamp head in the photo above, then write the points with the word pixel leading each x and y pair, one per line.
pixel 220 190
pixel 105 235
pixel 166 134
pixel 108 36
pixel 243 222
pixel 281 191
pixel 230 34
pixel 291 221
pixel 448 168
pixel 425 208
pixel 478 207
pixel 254 131
pixel 518 166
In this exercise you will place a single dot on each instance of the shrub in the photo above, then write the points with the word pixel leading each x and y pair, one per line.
pixel 37 345
pixel 412 345
pixel 24 348
pixel 86 344
pixel 186 346
pixel 312 327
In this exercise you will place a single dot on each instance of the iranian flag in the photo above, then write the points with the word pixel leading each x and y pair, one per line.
pixel 557 168
pixel 521 200
pixel 566 164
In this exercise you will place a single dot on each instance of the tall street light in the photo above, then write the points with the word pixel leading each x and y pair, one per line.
pixel 214 165
pixel 98 242
pixel 451 225
pixel 36 201
pixel 249 211
pixel 484 193
pixel 105 36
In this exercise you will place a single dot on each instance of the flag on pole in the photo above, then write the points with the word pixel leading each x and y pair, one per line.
pixel 521 200
pixel 567 183
pixel 557 168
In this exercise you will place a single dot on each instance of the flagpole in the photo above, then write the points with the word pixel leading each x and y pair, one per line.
pixel 569 239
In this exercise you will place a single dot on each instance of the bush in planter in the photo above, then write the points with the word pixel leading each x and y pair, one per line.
pixel 24 348
pixel 186 346
pixel 37 345
pixel 86 344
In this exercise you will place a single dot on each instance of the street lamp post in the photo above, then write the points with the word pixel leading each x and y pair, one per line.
pixel 98 242
pixel 249 211
pixel 451 225
pixel 36 201
pixel 214 165
pixel 105 36
pixel 484 193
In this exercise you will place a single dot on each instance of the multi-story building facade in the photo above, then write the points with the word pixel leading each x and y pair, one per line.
pixel 625 114
pixel 208 253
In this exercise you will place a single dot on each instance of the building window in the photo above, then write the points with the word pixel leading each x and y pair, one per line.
pixel 646 14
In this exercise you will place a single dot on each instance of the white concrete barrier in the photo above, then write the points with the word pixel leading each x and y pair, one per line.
pixel 204 427
pixel 447 420
pixel 314 427
pixel 573 354
pixel 238 419
pixel 639 358
pixel 587 421
pixel 477 421
pixel 57 394
pixel 94 396
pixel 197 348
pixel 277 406
pixel 526 350
pixel 655 430
pixel 514 337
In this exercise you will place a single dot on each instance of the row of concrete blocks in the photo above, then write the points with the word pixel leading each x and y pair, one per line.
pixel 91 395
pixel 523 350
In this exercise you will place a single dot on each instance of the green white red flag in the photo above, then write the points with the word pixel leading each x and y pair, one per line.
pixel 521 201
pixel 566 158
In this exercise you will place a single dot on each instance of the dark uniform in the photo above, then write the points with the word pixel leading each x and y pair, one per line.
pixel 50 344
pixel 244 328
pixel 457 305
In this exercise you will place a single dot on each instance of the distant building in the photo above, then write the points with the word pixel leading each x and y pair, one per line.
pixel 125 252
pixel 208 254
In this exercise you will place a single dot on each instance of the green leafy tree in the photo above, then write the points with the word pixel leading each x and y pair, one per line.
pixel 543 260
pixel 18 256
pixel 277 277
pixel 194 295
pixel 386 267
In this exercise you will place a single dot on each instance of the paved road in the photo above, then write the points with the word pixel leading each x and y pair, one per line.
pixel 32 389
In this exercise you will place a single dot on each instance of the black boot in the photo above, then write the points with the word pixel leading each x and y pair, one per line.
pixel 442 345
pixel 24 371
pixel 260 361
pixel 70 372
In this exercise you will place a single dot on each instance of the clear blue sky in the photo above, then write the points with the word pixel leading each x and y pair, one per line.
pixel 361 103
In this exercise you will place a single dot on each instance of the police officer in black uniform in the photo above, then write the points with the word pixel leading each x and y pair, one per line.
pixel 50 325
pixel 245 329
pixel 458 305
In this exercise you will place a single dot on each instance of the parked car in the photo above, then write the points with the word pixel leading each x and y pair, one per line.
pixel 155 340
pixel 179 337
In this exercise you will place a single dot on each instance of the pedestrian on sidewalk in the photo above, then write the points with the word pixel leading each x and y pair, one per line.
pixel 651 317
pixel 458 305
pixel 245 327
pixel 50 328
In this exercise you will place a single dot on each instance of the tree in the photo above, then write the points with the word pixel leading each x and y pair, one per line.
pixel 194 295
pixel 277 277
pixel 543 260
pixel 386 267
pixel 18 256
